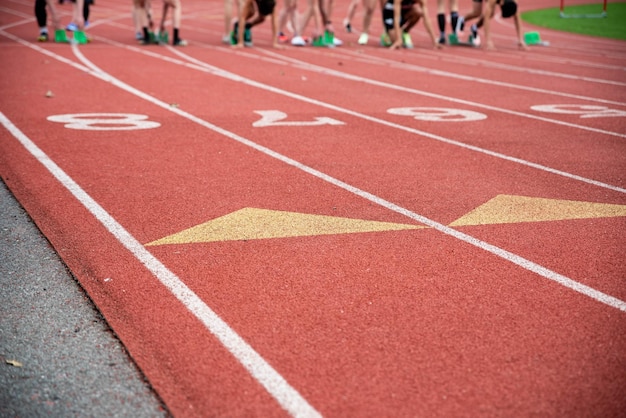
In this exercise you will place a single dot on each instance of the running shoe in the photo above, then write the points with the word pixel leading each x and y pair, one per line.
pixel 474 39
pixel 234 34
pixel 43 37
pixel 282 38
pixel 247 37
pixel 347 25
pixel 363 39
pixel 474 31
pixel 298 41
pixel 72 27
pixel 407 42
pixel 385 40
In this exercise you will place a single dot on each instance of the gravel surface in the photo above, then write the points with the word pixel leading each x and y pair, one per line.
pixel 58 357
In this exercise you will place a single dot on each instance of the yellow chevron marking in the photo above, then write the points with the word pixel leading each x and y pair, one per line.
pixel 251 223
pixel 514 209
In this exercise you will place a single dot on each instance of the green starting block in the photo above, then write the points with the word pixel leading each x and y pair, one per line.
pixel 80 37
pixel 329 39
pixel 385 40
pixel 533 38
pixel 453 39
pixel 163 37
pixel 152 38
pixel 319 41
pixel 60 36
pixel 326 40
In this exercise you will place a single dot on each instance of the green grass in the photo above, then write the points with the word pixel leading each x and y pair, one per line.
pixel 611 26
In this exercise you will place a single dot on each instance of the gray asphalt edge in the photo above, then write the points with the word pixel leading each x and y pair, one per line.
pixel 58 356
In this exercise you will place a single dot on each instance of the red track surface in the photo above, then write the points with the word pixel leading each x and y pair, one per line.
pixel 511 317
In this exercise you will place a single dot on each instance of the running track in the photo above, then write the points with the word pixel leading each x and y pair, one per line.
pixel 337 232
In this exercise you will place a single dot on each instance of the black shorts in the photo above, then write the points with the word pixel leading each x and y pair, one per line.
pixel 405 8
pixel 266 7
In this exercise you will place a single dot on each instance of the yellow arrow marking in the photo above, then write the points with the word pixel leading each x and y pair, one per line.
pixel 251 223
pixel 513 209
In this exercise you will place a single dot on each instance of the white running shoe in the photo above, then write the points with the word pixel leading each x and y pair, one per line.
pixel 337 42
pixel 363 39
pixel 474 40
pixel 298 41
pixel 407 41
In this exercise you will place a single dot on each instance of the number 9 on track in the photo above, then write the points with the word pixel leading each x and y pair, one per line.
pixel 438 114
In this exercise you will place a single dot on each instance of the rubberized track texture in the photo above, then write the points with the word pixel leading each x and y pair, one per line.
pixel 347 231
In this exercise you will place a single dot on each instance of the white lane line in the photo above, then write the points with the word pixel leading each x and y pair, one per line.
pixel 28 19
pixel 205 67
pixel 274 383
pixel 441 73
pixel 256 365
pixel 520 261
pixel 506 255
pixel 201 66
pixel 269 378
pixel 493 64
pixel 226 74
pixel 454 60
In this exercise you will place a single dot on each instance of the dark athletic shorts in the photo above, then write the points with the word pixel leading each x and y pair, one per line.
pixel 405 8
pixel 266 7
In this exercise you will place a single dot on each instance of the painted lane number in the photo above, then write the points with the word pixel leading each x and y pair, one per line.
pixel 277 118
pixel 585 111
pixel 438 114
pixel 104 121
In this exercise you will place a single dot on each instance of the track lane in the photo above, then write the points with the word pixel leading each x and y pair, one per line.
pixel 567 145
pixel 456 389
pixel 291 78
pixel 119 279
